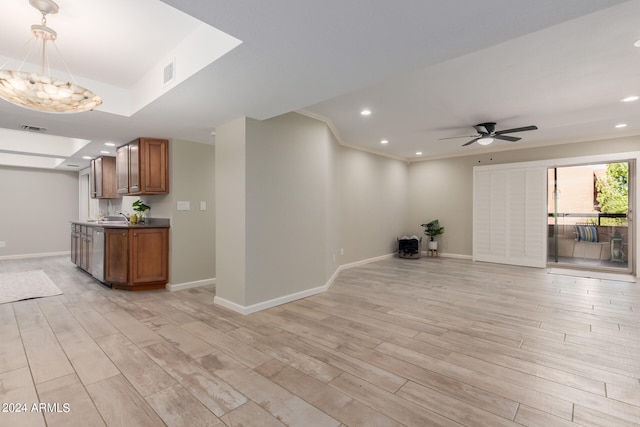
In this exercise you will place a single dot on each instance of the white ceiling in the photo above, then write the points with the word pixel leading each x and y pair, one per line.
pixel 427 69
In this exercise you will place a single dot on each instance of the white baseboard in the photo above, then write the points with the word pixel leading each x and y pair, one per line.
pixel 24 256
pixel 187 285
pixel 447 255
pixel 295 296
pixel 270 303
pixel 365 261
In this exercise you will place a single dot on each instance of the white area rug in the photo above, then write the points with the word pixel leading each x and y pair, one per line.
pixel 593 275
pixel 25 285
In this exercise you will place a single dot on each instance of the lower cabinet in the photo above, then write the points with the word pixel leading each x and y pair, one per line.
pixel 137 258
pixel 82 246
pixel 116 255
pixel 75 243
pixel 87 249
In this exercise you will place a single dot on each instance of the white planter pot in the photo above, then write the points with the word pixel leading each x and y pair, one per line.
pixel 432 245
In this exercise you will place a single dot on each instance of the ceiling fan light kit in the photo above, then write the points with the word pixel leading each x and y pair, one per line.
pixel 485 140
pixel 38 91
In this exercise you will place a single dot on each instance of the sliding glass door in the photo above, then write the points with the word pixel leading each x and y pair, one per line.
pixel 589 218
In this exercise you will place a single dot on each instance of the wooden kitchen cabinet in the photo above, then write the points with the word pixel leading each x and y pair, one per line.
pixel 122 170
pixel 116 259
pixel 123 257
pixel 149 256
pixel 82 246
pixel 86 237
pixel 142 167
pixel 134 167
pixel 102 178
pixel 75 244
pixel 137 258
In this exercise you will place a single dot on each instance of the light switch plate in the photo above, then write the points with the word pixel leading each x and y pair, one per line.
pixel 203 206
pixel 184 205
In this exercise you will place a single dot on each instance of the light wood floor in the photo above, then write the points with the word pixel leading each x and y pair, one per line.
pixel 426 342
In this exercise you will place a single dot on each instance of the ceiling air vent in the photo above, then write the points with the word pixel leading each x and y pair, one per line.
pixel 169 72
pixel 30 128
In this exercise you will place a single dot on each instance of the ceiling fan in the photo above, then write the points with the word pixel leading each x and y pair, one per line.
pixel 487 133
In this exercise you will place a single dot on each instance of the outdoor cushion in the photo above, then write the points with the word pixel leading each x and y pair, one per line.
pixel 587 233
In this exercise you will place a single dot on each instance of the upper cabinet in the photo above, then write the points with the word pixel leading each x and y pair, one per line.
pixel 122 169
pixel 142 167
pixel 102 178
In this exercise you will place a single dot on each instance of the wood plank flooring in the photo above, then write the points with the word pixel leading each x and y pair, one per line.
pixel 415 342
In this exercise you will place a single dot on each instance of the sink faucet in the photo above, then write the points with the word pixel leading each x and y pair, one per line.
pixel 126 217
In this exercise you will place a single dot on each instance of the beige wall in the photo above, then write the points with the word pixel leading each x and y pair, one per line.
pixel 36 206
pixel 192 232
pixel 230 172
pixel 332 206
pixel 443 188
pixel 305 198
pixel 287 166
pixel 373 211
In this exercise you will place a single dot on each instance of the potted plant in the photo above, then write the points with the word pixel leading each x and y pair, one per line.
pixel 432 229
pixel 140 207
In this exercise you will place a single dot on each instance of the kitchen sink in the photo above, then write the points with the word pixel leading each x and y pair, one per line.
pixel 109 222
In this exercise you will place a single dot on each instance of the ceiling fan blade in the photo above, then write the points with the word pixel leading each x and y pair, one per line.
pixel 507 138
pixel 522 129
pixel 454 137
pixel 470 142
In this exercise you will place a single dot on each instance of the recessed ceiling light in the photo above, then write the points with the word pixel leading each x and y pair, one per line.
pixel 629 98
pixel 621 125
pixel 110 144
pixel 87 157
pixel 104 152
pixel 637 43
pixel 365 112
pixel 418 153
pixel 384 141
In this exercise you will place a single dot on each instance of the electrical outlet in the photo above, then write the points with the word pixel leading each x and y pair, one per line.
pixel 3 244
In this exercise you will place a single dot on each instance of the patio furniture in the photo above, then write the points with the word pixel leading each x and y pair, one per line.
pixel 588 235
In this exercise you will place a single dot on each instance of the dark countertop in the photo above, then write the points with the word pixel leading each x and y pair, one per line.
pixel 149 223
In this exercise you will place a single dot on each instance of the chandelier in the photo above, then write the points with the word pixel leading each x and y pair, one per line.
pixel 39 91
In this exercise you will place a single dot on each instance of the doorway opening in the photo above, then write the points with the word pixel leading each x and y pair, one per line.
pixel 589 221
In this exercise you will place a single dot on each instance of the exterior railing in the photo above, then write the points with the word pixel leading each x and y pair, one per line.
pixel 568 216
